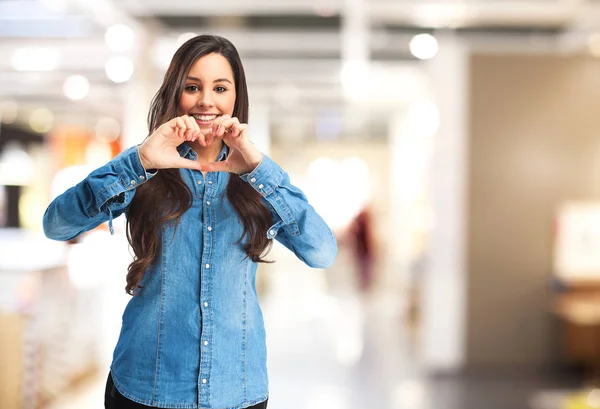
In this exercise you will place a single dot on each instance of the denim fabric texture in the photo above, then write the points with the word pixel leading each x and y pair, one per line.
pixel 195 336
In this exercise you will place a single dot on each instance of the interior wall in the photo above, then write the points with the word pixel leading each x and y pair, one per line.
pixel 534 143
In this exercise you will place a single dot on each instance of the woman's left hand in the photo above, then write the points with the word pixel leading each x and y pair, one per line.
pixel 243 155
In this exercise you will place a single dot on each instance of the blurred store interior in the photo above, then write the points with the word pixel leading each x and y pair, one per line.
pixel 452 145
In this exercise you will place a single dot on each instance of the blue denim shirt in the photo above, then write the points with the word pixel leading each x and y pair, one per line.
pixel 195 336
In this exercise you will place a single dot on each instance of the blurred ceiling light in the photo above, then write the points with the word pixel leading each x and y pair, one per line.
pixel 119 38
pixel 107 130
pixel 8 111
pixel 76 87
pixel 423 46
pixel 424 117
pixel 594 44
pixel 184 37
pixel 41 120
pixel 119 69
pixel 35 59
pixel 16 166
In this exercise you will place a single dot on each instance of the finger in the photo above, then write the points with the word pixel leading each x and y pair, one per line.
pixel 224 126
pixel 181 127
pixel 191 132
pixel 202 140
pixel 196 126
pixel 220 120
pixel 174 123
pixel 217 126
pixel 235 130
pixel 237 133
pixel 215 167
pixel 189 135
pixel 216 129
pixel 243 128
pixel 204 137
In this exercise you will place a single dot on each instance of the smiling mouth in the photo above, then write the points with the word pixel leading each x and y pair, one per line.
pixel 204 119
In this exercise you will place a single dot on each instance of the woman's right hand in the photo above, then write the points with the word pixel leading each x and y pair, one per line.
pixel 159 150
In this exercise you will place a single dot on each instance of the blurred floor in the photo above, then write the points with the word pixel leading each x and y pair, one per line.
pixel 330 348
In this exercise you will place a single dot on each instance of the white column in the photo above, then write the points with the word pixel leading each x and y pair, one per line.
pixel 443 300
pixel 355 31
pixel 139 92
pixel 259 127
pixel 355 51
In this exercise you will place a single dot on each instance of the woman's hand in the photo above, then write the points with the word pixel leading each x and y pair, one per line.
pixel 159 150
pixel 243 155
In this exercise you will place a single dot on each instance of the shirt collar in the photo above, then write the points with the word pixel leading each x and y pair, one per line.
pixel 187 152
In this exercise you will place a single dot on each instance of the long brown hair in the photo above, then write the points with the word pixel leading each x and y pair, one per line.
pixel 166 197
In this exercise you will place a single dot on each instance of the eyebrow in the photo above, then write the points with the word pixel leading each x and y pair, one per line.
pixel 217 80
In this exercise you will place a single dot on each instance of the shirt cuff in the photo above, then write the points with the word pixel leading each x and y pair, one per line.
pixel 132 171
pixel 266 177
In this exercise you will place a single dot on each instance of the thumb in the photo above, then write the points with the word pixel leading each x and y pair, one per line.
pixel 215 167
pixel 186 164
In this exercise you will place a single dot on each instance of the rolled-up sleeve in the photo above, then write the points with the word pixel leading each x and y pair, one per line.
pixel 296 223
pixel 103 195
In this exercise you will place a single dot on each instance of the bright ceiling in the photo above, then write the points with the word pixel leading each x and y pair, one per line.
pixel 293 50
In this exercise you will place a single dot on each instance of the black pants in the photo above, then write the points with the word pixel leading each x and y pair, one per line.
pixel 114 400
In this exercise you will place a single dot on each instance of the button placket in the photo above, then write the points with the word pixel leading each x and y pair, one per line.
pixel 205 347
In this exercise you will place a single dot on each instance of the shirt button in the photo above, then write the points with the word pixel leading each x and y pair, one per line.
pixel 208 203
pixel 142 177
pixel 206 304
pixel 210 182
pixel 207 266
pixel 204 381
pixel 133 182
pixel 199 182
pixel 209 228
pixel 253 180
pixel 272 232
pixel 261 186
pixel 205 342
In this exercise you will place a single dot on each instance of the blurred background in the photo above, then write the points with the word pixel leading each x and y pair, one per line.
pixel 453 146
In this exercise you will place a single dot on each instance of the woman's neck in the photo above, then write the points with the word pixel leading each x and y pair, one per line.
pixel 207 154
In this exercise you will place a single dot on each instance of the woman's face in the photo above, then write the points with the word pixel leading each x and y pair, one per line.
pixel 209 90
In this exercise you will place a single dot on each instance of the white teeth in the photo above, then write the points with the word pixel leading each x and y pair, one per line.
pixel 204 118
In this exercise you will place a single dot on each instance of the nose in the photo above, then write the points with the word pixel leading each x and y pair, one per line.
pixel 205 99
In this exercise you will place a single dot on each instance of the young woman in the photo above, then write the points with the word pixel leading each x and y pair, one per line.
pixel 203 205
